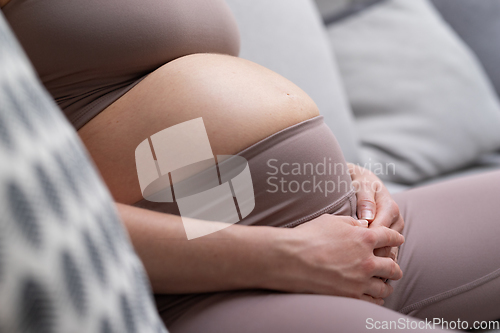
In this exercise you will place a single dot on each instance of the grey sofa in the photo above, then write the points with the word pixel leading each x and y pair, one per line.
pixel 432 127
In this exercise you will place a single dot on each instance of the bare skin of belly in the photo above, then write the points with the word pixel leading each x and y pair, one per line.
pixel 240 102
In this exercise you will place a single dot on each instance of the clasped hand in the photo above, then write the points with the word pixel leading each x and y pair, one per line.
pixel 343 256
pixel 375 204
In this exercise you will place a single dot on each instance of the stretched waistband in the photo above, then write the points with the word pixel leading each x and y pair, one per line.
pixel 298 174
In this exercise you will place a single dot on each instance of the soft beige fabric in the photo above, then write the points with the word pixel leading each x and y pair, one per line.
pixel 88 54
pixel 298 174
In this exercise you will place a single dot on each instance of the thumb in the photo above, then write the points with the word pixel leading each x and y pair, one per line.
pixel 359 223
pixel 362 223
pixel 366 207
pixel 354 222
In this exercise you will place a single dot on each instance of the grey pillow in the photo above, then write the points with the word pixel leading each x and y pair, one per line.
pixel 422 102
pixel 66 264
pixel 478 24
pixel 288 37
pixel 335 10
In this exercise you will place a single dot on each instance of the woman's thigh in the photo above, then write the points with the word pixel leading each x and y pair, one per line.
pixel 451 271
pixel 267 312
pixel 240 102
pixel 450 259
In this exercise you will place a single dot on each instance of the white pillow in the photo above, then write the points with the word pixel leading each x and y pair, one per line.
pixel 421 100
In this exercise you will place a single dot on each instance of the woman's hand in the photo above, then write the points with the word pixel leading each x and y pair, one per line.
pixel 333 255
pixel 375 204
pixel 330 255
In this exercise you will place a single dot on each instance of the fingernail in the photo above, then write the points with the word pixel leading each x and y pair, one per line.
pixel 367 214
pixel 364 223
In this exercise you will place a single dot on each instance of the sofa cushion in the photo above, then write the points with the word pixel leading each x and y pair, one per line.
pixel 486 163
pixel 335 10
pixel 66 264
pixel 288 37
pixel 478 24
pixel 422 102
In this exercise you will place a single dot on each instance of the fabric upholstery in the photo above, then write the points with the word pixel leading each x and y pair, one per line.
pixel 478 24
pixel 422 102
pixel 66 263
pixel 336 10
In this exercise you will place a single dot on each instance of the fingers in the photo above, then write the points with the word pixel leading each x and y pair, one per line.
pixel 362 223
pixel 388 214
pixel 370 299
pixel 394 254
pixel 387 252
pixel 383 252
pixel 366 207
pixel 377 288
pixel 352 221
pixel 365 194
pixel 382 237
pixel 386 268
pixel 399 224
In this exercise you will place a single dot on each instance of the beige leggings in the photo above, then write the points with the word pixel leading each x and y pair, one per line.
pixel 451 266
pixel 450 259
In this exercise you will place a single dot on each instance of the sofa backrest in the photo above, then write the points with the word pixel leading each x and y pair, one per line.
pixel 288 37
pixel 478 24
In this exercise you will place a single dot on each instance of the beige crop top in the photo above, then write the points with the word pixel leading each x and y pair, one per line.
pixel 89 53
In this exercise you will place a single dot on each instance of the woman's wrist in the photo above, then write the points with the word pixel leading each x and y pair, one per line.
pixel 327 255
pixel 236 257
pixel 260 256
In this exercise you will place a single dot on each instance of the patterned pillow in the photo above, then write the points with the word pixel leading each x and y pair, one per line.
pixel 66 264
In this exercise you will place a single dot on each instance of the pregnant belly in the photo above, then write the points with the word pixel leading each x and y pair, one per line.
pixel 240 102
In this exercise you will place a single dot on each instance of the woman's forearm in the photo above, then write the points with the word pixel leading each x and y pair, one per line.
pixel 331 255
pixel 237 257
